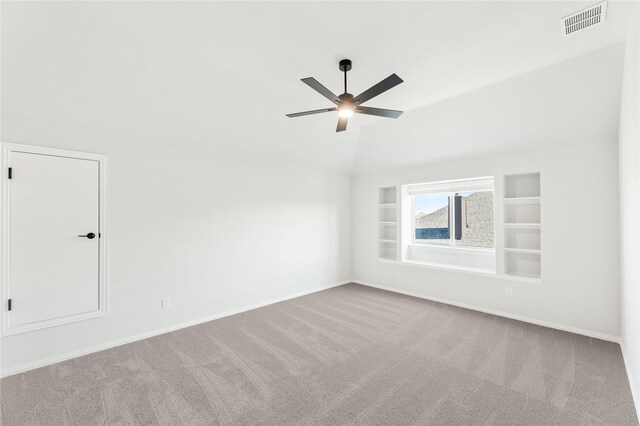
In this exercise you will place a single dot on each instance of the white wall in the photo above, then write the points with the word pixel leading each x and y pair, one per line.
pixel 630 206
pixel 213 233
pixel 561 121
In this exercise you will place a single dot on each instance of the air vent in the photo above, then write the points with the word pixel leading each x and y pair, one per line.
pixel 593 15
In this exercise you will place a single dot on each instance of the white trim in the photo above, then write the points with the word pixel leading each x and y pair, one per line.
pixel 520 250
pixel 7 149
pixel 634 394
pixel 521 200
pixel 522 225
pixel 535 321
pixel 478 184
pixel 119 342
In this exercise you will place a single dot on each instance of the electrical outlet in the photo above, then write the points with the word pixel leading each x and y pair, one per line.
pixel 508 291
pixel 166 303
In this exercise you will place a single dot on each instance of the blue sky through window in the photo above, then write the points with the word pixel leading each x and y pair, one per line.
pixel 428 203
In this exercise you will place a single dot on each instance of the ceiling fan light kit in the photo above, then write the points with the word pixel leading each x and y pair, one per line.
pixel 346 103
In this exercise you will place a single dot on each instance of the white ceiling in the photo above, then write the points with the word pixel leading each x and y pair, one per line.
pixel 576 101
pixel 220 77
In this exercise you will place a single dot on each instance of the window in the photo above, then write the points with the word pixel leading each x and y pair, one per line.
pixel 458 213
pixel 432 218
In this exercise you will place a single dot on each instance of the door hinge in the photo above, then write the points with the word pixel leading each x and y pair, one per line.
pixel 10 173
pixel 9 305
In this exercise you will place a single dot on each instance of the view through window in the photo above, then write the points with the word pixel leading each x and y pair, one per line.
pixel 462 218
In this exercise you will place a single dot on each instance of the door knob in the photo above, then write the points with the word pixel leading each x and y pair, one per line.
pixel 90 236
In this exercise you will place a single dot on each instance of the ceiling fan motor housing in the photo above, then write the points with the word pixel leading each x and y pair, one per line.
pixel 345 65
pixel 345 97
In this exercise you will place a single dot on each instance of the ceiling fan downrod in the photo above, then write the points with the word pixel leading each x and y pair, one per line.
pixel 345 65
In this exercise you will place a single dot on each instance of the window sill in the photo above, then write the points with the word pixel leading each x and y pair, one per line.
pixel 448 267
pixel 478 250
pixel 473 259
pixel 479 272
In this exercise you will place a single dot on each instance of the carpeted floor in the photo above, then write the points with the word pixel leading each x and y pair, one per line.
pixel 349 355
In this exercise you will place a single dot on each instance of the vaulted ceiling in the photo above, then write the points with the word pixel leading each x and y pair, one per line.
pixel 220 76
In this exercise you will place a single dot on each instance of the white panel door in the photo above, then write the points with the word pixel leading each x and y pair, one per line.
pixel 53 269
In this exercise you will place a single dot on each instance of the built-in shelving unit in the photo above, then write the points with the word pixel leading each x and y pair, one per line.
pixel 522 200
pixel 388 223
pixel 521 250
pixel 522 225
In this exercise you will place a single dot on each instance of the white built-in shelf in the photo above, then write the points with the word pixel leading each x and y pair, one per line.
pixel 387 195
pixel 521 250
pixel 388 223
pixel 522 225
pixel 522 200
pixel 522 218
pixel 524 275
pixel 388 258
pixel 525 185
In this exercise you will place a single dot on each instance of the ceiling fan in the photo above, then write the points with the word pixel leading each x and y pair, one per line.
pixel 347 104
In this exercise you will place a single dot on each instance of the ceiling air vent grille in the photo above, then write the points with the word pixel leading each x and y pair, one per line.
pixel 585 18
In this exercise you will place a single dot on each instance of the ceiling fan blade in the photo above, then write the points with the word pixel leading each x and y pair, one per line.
pixel 392 81
pixel 342 124
pixel 380 112
pixel 315 85
pixel 315 111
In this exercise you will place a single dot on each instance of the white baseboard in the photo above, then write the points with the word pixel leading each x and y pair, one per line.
pixel 632 381
pixel 570 329
pixel 114 343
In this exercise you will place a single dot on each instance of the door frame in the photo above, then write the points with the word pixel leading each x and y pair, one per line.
pixel 5 291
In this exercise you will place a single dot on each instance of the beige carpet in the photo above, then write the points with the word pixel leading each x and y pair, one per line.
pixel 349 355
